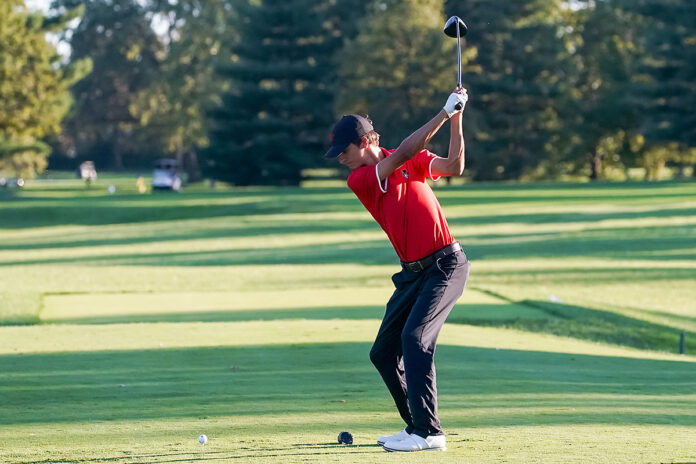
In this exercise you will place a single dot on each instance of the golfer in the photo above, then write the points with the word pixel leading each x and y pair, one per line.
pixel 392 186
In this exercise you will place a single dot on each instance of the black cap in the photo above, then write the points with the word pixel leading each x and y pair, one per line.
pixel 346 131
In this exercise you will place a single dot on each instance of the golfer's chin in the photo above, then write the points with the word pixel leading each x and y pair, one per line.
pixel 353 166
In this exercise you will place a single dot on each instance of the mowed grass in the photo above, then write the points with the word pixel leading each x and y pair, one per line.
pixel 133 323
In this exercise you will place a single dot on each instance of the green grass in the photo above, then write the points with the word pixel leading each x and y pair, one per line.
pixel 130 324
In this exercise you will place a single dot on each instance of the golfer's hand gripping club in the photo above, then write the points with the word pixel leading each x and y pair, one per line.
pixel 456 102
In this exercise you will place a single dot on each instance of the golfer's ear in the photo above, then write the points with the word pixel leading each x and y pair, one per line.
pixel 364 142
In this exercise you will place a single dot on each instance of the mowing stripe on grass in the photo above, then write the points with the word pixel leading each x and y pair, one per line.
pixel 58 338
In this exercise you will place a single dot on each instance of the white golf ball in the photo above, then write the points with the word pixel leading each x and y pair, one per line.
pixel 202 439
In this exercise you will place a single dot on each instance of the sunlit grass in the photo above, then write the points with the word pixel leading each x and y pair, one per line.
pixel 134 322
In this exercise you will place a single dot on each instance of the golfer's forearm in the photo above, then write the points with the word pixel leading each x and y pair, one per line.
pixel 417 141
pixel 455 156
pixel 411 145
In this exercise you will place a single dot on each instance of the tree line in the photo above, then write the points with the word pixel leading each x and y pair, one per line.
pixel 246 91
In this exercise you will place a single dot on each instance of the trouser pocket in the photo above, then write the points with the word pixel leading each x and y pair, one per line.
pixel 450 264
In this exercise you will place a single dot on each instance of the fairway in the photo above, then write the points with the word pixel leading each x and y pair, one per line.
pixel 130 324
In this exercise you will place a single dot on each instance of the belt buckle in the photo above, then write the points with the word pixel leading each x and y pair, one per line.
pixel 414 266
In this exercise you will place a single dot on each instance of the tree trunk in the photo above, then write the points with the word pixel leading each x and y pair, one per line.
pixel 117 155
pixel 595 165
pixel 179 156
pixel 193 168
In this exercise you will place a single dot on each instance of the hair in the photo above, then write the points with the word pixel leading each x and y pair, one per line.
pixel 372 136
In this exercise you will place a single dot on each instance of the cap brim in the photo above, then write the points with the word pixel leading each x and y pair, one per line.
pixel 336 150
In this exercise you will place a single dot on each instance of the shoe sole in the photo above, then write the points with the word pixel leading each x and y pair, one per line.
pixel 380 442
pixel 410 451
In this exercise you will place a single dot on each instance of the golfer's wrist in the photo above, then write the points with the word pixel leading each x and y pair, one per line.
pixel 449 112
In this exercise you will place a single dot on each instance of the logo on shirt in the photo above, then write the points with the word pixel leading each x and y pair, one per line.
pixel 404 173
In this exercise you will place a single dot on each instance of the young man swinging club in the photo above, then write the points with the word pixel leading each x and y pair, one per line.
pixel 392 185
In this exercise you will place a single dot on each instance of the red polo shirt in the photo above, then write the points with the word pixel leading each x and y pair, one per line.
pixel 404 206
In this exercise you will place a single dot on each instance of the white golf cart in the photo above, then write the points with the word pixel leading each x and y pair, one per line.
pixel 166 175
pixel 87 172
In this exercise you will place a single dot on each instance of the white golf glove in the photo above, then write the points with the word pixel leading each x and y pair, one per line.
pixel 456 102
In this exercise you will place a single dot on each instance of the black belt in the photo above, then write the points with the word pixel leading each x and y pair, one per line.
pixel 421 264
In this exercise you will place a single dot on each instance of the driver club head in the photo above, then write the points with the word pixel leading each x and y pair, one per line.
pixel 451 27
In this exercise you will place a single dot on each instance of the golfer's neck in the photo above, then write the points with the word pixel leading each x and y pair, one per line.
pixel 374 155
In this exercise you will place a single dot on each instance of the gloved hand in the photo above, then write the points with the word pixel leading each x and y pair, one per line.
pixel 456 102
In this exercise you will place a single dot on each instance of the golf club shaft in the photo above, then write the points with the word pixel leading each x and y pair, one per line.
pixel 459 59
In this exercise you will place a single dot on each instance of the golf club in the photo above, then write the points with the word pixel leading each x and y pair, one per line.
pixel 455 27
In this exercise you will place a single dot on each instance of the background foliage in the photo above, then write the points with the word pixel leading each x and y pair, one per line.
pixel 247 91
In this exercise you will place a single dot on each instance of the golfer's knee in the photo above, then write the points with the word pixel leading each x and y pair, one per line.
pixel 411 343
pixel 410 340
pixel 380 354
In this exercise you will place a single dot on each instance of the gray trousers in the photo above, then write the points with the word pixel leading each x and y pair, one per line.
pixel 405 345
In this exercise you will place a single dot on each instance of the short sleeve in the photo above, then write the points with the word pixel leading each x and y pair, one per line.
pixel 365 184
pixel 423 163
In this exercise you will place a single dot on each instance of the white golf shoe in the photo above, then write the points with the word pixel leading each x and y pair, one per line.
pixel 396 437
pixel 417 443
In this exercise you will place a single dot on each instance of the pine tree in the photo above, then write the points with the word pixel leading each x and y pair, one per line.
pixel 604 104
pixel 668 30
pixel 274 121
pixel 173 108
pixel 667 90
pixel 516 84
pixel 399 69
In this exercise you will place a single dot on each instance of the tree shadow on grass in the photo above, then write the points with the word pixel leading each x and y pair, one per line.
pixel 676 242
pixel 519 387
pixel 651 243
pixel 669 242
pixel 589 324
pixel 167 234
pixel 528 315
pixel 363 252
pixel 47 210
pixel 126 209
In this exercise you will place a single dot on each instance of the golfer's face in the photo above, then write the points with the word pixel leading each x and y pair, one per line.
pixel 351 157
